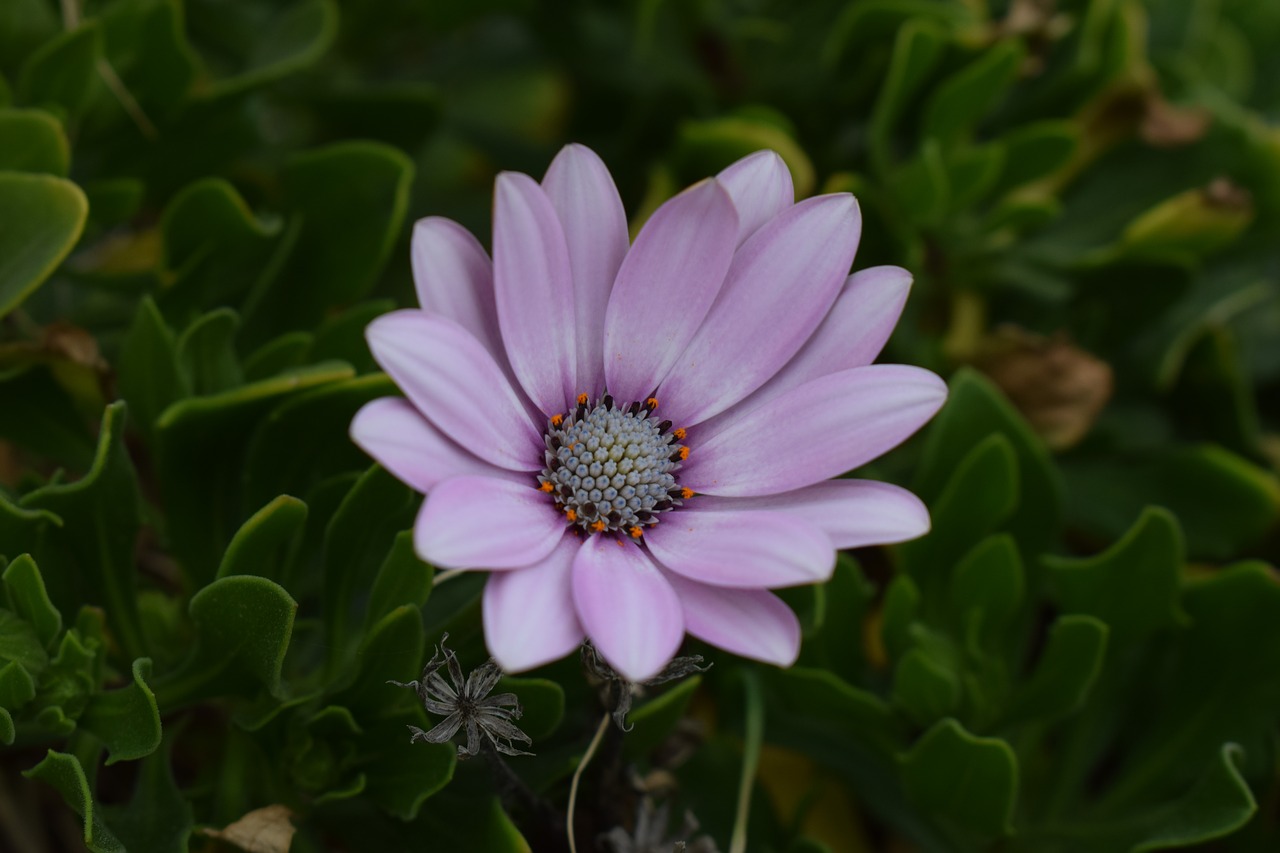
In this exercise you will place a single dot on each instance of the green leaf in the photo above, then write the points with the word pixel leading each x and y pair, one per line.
pixel 352 198
pixel 921 186
pixel 1245 505
pixel 402 776
pixel 40 415
pixel 402 579
pixel 127 720
pixel 342 337
pixel 65 774
pixel 470 821
pixel 1133 586
pixel 1065 673
pixel 27 597
pixel 158 818
pixel 1219 804
pixel 17 688
pixel 293 39
pixel 206 352
pixel 972 172
pixel 962 780
pixel 1037 150
pixel 145 44
pixel 243 625
pixel 987 592
pixel 199 444
pixel 34 141
pixel 278 355
pixel 150 375
pixel 7 730
pixel 980 495
pixel 256 549
pixel 841 712
pixel 957 105
pixel 543 702
pixel 975 410
pixel 925 688
pixel 376 508
pixel 897 614
pixel 63 71
pixel 90 558
pixel 655 720
pixel 916 50
pixel 841 643
pixel 306 438
pixel 40 220
pixel 391 651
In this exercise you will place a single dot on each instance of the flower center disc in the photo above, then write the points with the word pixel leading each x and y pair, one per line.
pixel 612 468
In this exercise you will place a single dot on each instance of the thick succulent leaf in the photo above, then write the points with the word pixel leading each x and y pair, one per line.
pixel 34 141
pixel 40 220
pixel 127 720
pixel 65 773
pixel 402 579
pixel 967 782
pixel 26 596
pixel 259 546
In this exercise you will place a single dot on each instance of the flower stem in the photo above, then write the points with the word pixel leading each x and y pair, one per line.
pixel 446 576
pixel 750 758
pixel 577 776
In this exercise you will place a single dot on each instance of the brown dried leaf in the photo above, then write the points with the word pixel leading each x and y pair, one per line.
pixel 1168 126
pixel 1059 388
pixel 264 830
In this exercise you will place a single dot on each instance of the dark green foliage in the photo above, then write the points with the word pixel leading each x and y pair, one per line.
pixel 203 204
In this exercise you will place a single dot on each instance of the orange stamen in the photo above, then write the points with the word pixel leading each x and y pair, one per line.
pixel 556 420
pixel 582 399
pixel 635 532
pixel 680 434
pixel 571 515
pixel 686 493
pixel 684 453
pixel 546 486
pixel 651 403
pixel 598 526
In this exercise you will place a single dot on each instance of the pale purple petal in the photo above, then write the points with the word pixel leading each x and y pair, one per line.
pixel 595 228
pixel 454 278
pixel 760 186
pixel 854 513
pixel 814 432
pixel 752 623
pixel 534 290
pixel 474 522
pixel 452 379
pixel 408 445
pixel 747 549
pixel 779 288
pixel 665 286
pixel 529 617
pixel 626 607
pixel 854 331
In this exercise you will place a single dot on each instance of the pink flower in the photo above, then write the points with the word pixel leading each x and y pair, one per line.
pixel 638 439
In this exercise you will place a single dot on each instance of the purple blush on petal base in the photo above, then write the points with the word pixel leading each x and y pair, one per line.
pixel 638 440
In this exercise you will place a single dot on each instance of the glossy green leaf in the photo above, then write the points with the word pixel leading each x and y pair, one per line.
pixel 26 596
pixel 276 356
pixel 1133 586
pixel 402 579
pixel 146 45
pixel 258 546
pixel 1037 150
pixel 151 378
pixel 898 612
pixel 822 703
pixel 469 822
pixel 965 781
pixel 64 70
pixel 126 720
pixel 1219 803
pixel 40 220
pixel 987 589
pixel 65 773
pixel 33 141
pixel 292 39
pixel 1065 673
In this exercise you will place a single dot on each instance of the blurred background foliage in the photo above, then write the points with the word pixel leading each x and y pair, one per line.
pixel 202 203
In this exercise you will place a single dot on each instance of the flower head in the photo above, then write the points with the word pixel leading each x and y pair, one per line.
pixel 467 706
pixel 638 439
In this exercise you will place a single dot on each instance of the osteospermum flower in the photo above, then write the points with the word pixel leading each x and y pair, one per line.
pixel 637 439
